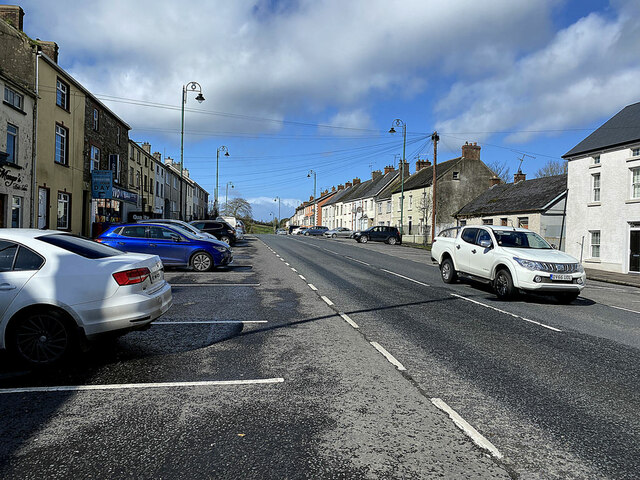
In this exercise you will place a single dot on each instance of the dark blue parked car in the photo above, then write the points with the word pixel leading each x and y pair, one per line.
pixel 174 245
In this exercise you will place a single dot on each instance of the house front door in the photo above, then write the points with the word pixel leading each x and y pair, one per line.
pixel 634 251
pixel 43 207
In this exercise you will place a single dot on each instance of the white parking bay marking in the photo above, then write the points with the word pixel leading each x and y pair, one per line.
pixel 507 313
pixel 406 278
pixel 625 309
pixel 124 386
pixel 326 300
pixel 463 425
pixel 346 318
pixel 206 322
pixel 312 287
pixel 388 356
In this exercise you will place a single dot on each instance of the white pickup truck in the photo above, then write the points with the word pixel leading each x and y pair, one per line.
pixel 511 259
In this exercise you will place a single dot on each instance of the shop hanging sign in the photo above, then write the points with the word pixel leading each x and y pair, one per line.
pixel 125 195
pixel 102 184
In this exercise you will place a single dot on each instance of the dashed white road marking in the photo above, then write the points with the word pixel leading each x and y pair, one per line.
pixel 625 309
pixel 282 259
pixel 326 300
pixel 206 322
pixel 346 318
pixel 406 278
pixel 388 356
pixel 359 261
pixel 463 425
pixel 507 313
pixel 294 269
pixel 312 287
pixel 302 278
pixel 286 264
pixel 124 386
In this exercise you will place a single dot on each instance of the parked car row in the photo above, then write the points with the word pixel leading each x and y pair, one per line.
pixel 378 233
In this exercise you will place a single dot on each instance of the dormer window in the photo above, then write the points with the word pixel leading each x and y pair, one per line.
pixel 596 159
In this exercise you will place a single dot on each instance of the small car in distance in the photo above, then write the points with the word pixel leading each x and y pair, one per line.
pixel 180 223
pixel 318 230
pixel 379 233
pixel 175 246
pixel 61 290
pixel 282 231
pixel 342 232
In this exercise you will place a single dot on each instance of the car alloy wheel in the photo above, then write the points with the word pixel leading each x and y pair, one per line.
pixel 225 239
pixel 364 239
pixel 334 235
pixel 391 241
pixel 503 284
pixel 202 262
pixel 447 271
pixel 41 339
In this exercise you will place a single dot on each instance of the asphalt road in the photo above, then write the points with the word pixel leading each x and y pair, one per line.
pixel 314 358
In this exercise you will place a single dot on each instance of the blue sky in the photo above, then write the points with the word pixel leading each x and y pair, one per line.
pixel 299 85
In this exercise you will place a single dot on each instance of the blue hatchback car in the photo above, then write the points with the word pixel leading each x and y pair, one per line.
pixel 174 245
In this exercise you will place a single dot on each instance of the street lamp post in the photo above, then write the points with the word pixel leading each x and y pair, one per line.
pixel 226 194
pixel 226 154
pixel 192 87
pixel 277 199
pixel 315 207
pixel 399 123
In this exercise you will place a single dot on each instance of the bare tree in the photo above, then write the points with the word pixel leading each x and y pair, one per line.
pixel 552 167
pixel 238 207
pixel 501 169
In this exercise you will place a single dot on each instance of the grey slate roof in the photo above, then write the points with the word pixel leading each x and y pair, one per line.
pixel 338 196
pixel 527 196
pixel 424 178
pixel 622 128
pixel 370 188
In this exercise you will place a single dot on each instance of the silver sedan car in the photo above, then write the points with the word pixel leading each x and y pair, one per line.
pixel 339 232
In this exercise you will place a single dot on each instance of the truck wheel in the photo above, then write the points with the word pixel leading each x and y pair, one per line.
pixel 447 271
pixel 503 285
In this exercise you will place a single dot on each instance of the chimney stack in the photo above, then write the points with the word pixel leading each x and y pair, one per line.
pixel 50 49
pixel 157 156
pixel 347 184
pixel 420 164
pixel 356 181
pixel 471 151
pixel 13 15
pixel 340 187
pixel 376 174
pixel 388 169
pixel 406 168
pixel 519 177
pixel 495 180
pixel 311 198
pixel 146 147
pixel 333 189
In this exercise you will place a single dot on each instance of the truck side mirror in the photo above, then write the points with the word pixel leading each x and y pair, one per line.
pixel 485 243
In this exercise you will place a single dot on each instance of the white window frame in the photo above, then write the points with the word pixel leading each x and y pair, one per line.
pixel 61 134
pixel 594 246
pixel 596 182
pixel 12 137
pixel 62 94
pixel 596 160
pixel 16 205
pixel 635 183
pixel 96 119
pixel 94 158
pixel 64 199
pixel 635 152
pixel 13 98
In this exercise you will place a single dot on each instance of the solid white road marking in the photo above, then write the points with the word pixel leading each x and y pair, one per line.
pixel 388 356
pixel 206 322
pixel 625 309
pixel 406 278
pixel 302 277
pixel 463 425
pixel 507 313
pixel 312 287
pixel 78 388
pixel 326 300
pixel 214 284
pixel 349 321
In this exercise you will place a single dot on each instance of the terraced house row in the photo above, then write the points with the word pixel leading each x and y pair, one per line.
pixel 54 133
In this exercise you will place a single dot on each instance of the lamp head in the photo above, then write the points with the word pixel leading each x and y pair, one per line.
pixel 393 130
pixel 200 98
pixel 226 154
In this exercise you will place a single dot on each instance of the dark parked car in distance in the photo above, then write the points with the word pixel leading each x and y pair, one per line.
pixel 317 230
pixel 379 233
pixel 174 245
pixel 219 229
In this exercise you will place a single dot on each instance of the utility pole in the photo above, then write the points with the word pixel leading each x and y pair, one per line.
pixel 434 138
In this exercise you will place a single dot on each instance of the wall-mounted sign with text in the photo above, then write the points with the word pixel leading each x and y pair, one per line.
pixel 102 184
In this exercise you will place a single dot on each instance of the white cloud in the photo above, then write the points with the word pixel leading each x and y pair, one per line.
pixel 303 57
pixel 588 71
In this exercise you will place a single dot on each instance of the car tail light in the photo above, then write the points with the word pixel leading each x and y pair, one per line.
pixel 131 277
pixel 99 240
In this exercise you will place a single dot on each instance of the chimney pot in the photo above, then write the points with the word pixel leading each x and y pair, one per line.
pixel 471 151
pixel 356 181
pixel 146 147
pixel 347 184
pixel 376 174
pixel 340 187
pixel 495 180
pixel 519 177
pixel 13 15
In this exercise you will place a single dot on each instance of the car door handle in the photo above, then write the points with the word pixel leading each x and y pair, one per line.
pixel 120 243
pixel 153 245
pixel 7 286
pixel 458 247
pixel 473 251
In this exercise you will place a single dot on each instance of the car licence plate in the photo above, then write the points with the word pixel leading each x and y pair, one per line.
pixel 561 277
pixel 157 275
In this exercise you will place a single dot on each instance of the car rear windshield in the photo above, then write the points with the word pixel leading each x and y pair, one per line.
pixel 80 246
